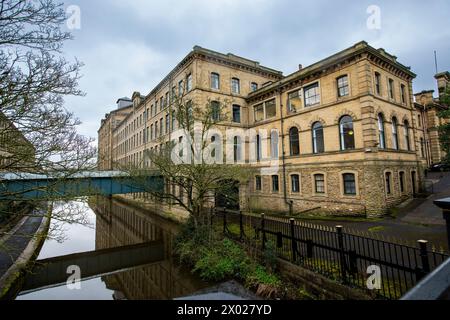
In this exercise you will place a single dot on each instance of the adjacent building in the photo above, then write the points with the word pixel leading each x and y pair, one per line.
pixel 345 130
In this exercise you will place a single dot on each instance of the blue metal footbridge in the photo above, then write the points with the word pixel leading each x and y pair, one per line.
pixel 29 186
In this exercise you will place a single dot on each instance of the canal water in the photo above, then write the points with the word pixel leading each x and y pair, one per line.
pixel 113 224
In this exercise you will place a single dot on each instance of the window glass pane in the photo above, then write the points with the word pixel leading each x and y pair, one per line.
pixel 275 186
pixel 294 101
pixel 319 180
pixel 259 112
pixel 294 141
pixel 381 131
pixel 189 83
pixel 235 86
pixel 318 141
pixel 236 114
pixel 274 144
pixel 342 83
pixel 295 183
pixel 215 110
pixel 347 133
pixel 349 184
pixel 254 86
pixel 258 183
pixel 312 95
pixel 214 81
pixel 388 182
pixel 271 109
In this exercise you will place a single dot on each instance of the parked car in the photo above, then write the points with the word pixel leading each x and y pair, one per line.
pixel 440 167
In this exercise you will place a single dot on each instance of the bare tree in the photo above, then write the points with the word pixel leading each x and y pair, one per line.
pixel 37 134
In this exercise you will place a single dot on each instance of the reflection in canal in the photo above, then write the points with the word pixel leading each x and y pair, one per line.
pixel 118 225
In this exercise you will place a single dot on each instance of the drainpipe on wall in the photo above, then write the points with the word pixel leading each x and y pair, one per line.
pixel 283 156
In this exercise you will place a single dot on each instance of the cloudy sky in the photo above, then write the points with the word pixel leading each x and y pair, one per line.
pixel 131 45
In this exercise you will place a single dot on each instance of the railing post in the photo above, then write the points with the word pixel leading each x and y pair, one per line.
pixel 263 223
pixel 293 241
pixel 241 226
pixel 224 221
pixel 341 253
pixel 444 204
pixel 424 259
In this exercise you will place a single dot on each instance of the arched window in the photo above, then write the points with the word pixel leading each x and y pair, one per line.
pixel 237 149
pixel 294 141
pixel 406 128
pixel 317 136
pixel 394 133
pixel 347 134
pixel 274 144
pixel 381 134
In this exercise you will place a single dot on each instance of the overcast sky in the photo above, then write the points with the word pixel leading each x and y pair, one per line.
pixel 131 45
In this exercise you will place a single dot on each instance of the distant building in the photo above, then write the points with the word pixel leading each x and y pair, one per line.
pixel 428 120
pixel 345 129
pixel 16 152
pixel 105 133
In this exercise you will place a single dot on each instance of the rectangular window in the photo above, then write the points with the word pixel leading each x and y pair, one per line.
pixel 167 123
pixel 161 103
pixel 349 184
pixel 156 129
pixel 258 183
pixel 215 81
pixel 342 85
pixel 271 109
pixel 173 120
pixel 236 114
pixel 156 107
pixel 391 88
pixel 275 184
pixel 319 183
pixel 388 183
pixel 235 86
pixel 294 101
pixel 180 88
pixel 161 129
pixel 295 183
pixel 253 86
pixel 166 101
pixel 215 110
pixel 259 112
pixel 377 83
pixel 189 82
pixel 402 181
pixel 312 95
pixel 151 132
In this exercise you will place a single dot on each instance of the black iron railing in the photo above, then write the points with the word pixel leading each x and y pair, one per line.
pixel 339 255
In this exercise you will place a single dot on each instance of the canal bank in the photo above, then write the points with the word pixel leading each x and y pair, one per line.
pixel 19 248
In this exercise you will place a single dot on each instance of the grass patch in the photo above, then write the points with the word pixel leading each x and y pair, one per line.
pixel 376 229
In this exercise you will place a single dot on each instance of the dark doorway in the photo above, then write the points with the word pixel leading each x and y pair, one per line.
pixel 228 197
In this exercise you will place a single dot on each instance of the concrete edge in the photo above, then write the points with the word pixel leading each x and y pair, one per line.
pixel 9 280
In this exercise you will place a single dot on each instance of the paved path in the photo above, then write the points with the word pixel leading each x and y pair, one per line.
pixel 417 220
pixel 11 247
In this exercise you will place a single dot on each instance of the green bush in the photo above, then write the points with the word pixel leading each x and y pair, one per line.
pixel 261 276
